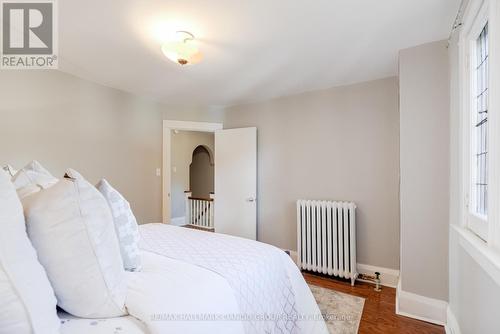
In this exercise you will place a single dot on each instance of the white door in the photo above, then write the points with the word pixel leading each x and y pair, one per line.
pixel 236 182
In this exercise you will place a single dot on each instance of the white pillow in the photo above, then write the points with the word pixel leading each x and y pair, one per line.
pixel 6 173
pixel 9 170
pixel 125 226
pixel 27 301
pixel 32 178
pixel 71 227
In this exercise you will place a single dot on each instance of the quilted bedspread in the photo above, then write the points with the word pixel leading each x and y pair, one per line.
pixel 255 271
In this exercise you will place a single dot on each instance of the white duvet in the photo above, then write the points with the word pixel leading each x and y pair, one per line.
pixel 199 282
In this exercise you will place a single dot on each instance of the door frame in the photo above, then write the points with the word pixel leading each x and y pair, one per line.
pixel 168 127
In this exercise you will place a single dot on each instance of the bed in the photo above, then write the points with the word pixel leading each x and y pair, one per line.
pixel 198 282
pixel 125 278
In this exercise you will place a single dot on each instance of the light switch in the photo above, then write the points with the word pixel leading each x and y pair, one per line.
pixel 158 171
pixel 174 169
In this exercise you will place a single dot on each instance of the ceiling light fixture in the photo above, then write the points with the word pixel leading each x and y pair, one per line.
pixel 183 50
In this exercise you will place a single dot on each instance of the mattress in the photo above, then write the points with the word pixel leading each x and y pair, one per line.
pixel 121 325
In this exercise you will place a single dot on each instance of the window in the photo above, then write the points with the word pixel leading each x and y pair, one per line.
pixel 480 127
pixel 477 122
pixel 479 78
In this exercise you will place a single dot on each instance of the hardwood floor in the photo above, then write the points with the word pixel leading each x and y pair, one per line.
pixel 379 315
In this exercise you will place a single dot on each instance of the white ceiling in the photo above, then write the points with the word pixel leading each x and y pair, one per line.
pixel 253 49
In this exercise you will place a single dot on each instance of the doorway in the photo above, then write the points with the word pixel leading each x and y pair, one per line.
pixel 233 208
pixel 173 206
pixel 191 175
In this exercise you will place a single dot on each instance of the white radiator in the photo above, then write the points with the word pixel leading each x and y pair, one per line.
pixel 326 235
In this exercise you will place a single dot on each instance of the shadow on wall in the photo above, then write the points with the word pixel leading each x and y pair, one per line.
pixel 201 172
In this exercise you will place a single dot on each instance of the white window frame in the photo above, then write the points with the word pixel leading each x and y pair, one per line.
pixel 476 222
pixel 476 15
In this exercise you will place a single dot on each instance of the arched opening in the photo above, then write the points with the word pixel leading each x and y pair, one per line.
pixel 201 172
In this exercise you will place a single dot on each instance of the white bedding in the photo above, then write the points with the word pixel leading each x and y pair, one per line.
pixel 121 325
pixel 167 288
pixel 199 274
pixel 181 297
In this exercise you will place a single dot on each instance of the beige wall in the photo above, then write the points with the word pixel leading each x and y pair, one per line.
pixel 338 144
pixel 196 114
pixel 183 144
pixel 424 136
pixel 64 121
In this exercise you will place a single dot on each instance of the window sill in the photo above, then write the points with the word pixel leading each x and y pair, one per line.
pixel 486 257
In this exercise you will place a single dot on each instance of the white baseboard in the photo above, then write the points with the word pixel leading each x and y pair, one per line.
pixel 421 308
pixel 452 326
pixel 178 221
pixel 388 277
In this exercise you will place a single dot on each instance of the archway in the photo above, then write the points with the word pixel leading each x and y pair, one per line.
pixel 201 172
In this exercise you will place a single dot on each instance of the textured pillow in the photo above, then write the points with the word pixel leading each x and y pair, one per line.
pixel 125 226
pixel 9 170
pixel 32 178
pixel 71 227
pixel 27 302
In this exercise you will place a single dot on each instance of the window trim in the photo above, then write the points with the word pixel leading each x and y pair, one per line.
pixel 477 223
pixel 476 15
pixel 487 257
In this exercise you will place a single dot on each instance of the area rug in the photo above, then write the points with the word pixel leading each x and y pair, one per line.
pixel 342 312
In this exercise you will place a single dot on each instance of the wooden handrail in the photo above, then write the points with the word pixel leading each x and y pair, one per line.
pixel 202 199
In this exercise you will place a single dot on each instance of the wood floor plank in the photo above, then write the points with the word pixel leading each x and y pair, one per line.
pixel 379 316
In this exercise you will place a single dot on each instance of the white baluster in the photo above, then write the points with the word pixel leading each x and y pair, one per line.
pixel 203 213
pixel 207 213
pixel 205 209
pixel 209 205
pixel 195 219
pixel 198 216
pixel 212 214
pixel 192 211
pixel 200 213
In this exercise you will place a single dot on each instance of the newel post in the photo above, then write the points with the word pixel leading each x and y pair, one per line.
pixel 212 209
pixel 187 213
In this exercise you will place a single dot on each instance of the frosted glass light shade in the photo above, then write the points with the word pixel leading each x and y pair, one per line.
pixel 182 52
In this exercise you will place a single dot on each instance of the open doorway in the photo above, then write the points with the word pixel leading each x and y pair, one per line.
pixel 233 208
pixel 191 175
pixel 178 168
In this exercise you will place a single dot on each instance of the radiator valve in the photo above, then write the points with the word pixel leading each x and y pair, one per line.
pixel 377 282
